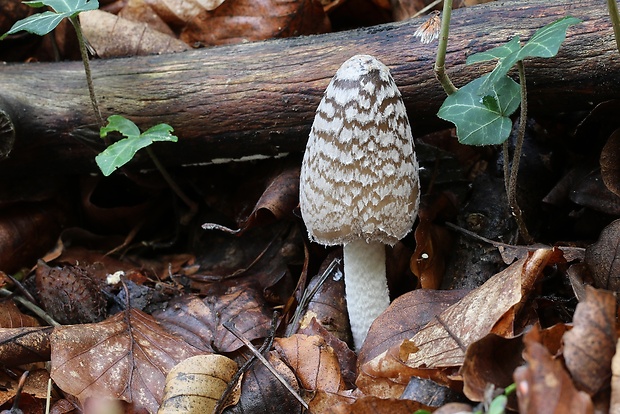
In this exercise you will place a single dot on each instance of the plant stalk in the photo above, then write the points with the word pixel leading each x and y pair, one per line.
pixel 440 61
pixel 89 79
pixel 615 20
pixel 516 157
pixel 193 207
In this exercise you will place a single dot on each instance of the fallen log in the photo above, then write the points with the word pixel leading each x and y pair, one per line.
pixel 259 98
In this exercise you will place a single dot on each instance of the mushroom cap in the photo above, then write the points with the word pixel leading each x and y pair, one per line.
pixel 359 175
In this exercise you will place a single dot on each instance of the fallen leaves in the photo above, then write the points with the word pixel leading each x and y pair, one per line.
pixel 125 357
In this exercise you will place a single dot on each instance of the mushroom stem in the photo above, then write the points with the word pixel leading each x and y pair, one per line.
pixel 365 286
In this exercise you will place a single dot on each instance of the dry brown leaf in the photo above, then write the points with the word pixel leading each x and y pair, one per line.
pixel 196 384
pixel 591 344
pixel 35 385
pixel 176 13
pixel 238 21
pixel 544 386
pixel 442 343
pixel 114 36
pixel 262 393
pixel 603 258
pixel 125 357
pixel 490 360
pixel 199 321
pixel 374 405
pixel 314 362
pixel 614 406
pixel 19 346
pixel 610 163
pixel 12 317
pixel 140 11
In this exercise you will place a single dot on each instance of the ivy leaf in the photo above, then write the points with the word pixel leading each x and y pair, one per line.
pixel 121 152
pixel 545 43
pixel 43 23
pixel 482 120
pixel 499 52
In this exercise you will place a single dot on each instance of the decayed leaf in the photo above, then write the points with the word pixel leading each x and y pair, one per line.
pixel 442 343
pixel 125 357
pixel 12 317
pixel 490 360
pixel 19 346
pixel 262 393
pixel 196 384
pixel 591 344
pixel 199 321
pixel 614 405
pixel 238 21
pixel 544 386
pixel 313 361
pixel 114 36
pixel 603 258
pixel 35 384
pixel 610 162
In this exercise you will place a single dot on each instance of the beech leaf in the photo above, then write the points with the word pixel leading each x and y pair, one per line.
pixel 125 357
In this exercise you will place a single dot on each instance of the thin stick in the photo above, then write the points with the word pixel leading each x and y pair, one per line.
pixel 266 363
pixel 232 384
pixel 440 61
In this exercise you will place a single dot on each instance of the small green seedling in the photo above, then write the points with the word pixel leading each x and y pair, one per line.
pixel 43 23
pixel 481 109
pixel 121 152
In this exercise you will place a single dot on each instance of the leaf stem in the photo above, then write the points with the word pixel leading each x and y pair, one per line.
pixel 440 61
pixel 516 158
pixel 193 207
pixel 615 20
pixel 89 79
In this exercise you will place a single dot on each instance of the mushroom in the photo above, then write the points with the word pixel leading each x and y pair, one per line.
pixel 359 183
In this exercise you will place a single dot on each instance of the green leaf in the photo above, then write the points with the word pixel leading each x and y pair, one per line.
pixel 498 405
pixel 499 52
pixel 121 152
pixel 43 23
pixel 117 123
pixel 544 43
pixel 482 120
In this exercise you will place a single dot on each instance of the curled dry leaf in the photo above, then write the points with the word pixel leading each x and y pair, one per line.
pixel 603 258
pixel 490 360
pixel 590 346
pixel 442 343
pixel 114 36
pixel 610 163
pixel 125 357
pixel 237 21
pixel 374 405
pixel 199 321
pixel 314 362
pixel 196 384
pixel 544 386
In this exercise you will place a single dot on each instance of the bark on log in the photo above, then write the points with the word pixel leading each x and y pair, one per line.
pixel 260 98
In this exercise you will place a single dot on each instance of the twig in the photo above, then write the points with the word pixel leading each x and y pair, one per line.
pixel 308 295
pixel 266 363
pixel 232 384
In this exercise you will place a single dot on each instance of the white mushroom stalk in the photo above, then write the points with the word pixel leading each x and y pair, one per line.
pixel 359 184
